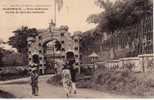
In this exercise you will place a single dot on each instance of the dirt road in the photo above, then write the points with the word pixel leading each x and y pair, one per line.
pixel 20 88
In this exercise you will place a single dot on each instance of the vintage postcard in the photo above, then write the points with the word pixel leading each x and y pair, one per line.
pixel 76 49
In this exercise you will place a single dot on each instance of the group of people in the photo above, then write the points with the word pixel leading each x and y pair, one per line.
pixel 71 65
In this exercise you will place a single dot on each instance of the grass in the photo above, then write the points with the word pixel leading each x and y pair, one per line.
pixel 126 82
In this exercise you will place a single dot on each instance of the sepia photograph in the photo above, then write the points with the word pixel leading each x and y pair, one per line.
pixel 76 49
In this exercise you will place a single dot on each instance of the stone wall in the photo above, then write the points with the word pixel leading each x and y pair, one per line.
pixel 141 63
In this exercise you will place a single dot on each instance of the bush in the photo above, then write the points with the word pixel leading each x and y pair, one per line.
pixel 12 59
pixel 7 73
pixel 125 82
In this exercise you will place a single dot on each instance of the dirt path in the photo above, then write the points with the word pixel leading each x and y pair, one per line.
pixel 21 89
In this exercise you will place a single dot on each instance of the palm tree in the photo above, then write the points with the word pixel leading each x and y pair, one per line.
pixel 118 15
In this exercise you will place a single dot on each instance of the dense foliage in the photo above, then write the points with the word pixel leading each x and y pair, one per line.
pixel 122 23
pixel 120 14
pixel 19 40
pixel 9 58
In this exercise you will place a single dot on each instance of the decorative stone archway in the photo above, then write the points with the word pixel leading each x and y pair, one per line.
pixel 61 34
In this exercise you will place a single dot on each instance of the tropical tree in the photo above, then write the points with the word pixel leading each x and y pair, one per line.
pixel 107 16
pixel 1 56
pixel 19 40
pixel 1 53
pixel 118 15
pixel 12 59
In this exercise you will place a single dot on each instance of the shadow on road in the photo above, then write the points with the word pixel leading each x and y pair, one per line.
pixel 4 94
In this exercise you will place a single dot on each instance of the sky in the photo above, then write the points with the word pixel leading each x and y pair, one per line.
pixel 73 14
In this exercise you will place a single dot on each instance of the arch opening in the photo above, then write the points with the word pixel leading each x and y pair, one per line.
pixel 51 52
pixel 54 44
